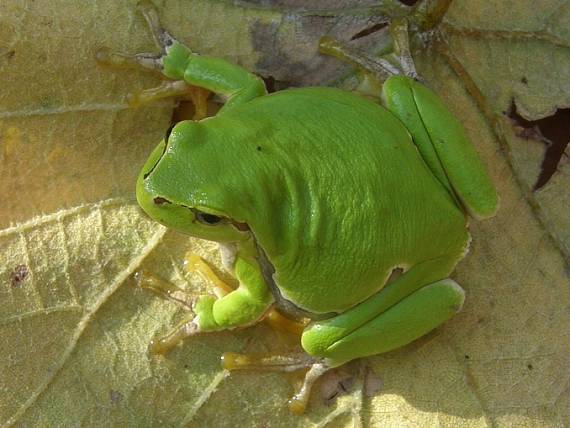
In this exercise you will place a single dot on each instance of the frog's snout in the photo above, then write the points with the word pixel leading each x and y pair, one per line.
pixel 149 201
pixel 153 160
pixel 154 205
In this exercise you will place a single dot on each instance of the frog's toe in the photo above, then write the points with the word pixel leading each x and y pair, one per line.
pixel 167 89
pixel 399 33
pixel 161 37
pixel 164 289
pixel 153 61
pixel 162 345
pixel 298 403
pixel 121 60
pixel 284 363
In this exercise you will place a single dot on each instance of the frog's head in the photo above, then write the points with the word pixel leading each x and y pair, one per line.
pixel 179 196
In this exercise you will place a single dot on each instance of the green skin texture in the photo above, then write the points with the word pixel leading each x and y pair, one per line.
pixel 336 190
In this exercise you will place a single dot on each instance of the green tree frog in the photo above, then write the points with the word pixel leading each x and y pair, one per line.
pixel 317 196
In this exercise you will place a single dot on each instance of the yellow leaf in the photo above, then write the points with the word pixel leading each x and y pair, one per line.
pixel 74 330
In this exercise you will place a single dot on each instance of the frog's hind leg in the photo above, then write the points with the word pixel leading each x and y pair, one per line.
pixel 447 150
pixel 401 312
pixel 440 138
pixel 375 70
pixel 401 39
pixel 123 60
pixel 283 363
pixel 402 323
pixel 409 319
pixel 379 69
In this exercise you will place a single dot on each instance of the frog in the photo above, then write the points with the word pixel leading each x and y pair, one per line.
pixel 326 204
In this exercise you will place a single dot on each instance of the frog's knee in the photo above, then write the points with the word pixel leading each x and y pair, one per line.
pixel 316 339
pixel 344 338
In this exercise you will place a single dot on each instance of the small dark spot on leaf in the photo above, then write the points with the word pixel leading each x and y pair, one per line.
pixel 10 54
pixel 409 2
pixel 19 275
pixel 467 357
pixel 553 131
pixel 370 30
pixel 258 148
pixel 186 366
pixel 160 201
pixel 530 367
pixel 115 396
pixel 47 22
pixel 47 102
pixel 524 80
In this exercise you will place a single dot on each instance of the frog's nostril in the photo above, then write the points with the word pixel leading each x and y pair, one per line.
pixel 160 201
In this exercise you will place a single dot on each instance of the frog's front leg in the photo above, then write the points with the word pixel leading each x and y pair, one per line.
pixel 188 326
pixel 227 309
pixel 176 61
pixel 242 307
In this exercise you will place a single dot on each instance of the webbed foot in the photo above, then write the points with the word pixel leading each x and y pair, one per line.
pixel 283 363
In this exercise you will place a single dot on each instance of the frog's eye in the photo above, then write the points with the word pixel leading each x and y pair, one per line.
pixel 209 219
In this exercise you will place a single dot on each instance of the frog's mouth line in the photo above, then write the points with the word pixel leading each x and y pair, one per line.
pixel 285 306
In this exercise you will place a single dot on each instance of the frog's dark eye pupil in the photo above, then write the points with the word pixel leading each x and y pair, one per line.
pixel 208 218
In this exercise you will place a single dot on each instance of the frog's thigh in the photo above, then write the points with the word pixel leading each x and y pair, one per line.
pixel 443 143
pixel 409 319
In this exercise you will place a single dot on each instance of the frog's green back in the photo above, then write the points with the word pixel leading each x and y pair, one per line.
pixel 332 187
